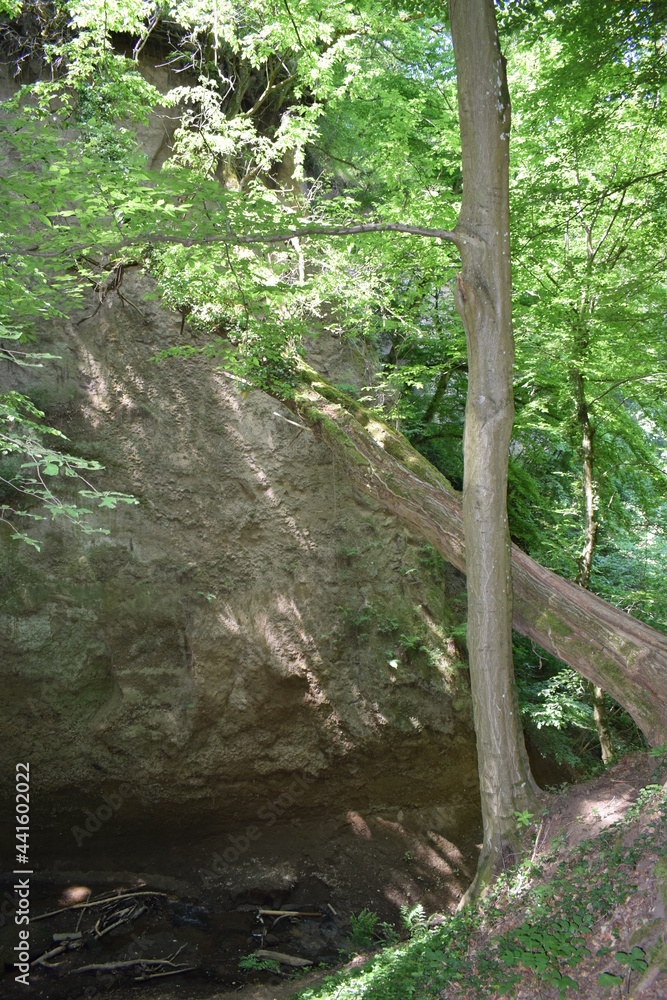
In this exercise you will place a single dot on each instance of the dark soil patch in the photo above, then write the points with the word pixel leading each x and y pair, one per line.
pixel 199 904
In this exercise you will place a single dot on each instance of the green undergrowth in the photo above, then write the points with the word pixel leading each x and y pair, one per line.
pixel 539 926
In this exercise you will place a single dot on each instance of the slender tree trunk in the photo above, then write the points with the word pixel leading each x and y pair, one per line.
pixel 483 299
pixel 586 451
pixel 601 720
pixel 586 559
pixel 436 399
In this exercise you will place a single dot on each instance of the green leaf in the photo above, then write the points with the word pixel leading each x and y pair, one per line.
pixel 607 979
pixel 635 959
pixel 20 537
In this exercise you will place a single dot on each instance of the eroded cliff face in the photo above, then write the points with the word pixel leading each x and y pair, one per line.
pixel 249 620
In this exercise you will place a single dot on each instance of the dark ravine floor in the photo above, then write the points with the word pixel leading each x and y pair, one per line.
pixel 208 884
pixel 208 892
pixel 331 867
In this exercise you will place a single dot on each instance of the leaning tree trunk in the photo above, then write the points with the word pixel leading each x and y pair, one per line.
pixel 608 647
pixel 483 299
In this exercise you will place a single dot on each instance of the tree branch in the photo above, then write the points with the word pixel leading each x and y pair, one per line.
pixel 296 30
pixel 232 239
pixel 284 237
pixel 631 378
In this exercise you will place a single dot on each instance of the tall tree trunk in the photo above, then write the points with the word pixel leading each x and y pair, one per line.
pixel 586 451
pixel 483 299
pixel 586 558
pixel 608 647
pixel 436 398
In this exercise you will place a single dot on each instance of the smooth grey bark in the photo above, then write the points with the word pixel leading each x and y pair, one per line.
pixel 483 299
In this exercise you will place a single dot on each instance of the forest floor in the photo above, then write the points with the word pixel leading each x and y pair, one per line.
pixel 589 905
pixel 583 915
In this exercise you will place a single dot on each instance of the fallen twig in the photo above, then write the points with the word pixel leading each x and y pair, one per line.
pixel 125 916
pixel 132 963
pixel 283 959
pixel 98 902
pixel 171 972
pixel 42 960
pixel 537 841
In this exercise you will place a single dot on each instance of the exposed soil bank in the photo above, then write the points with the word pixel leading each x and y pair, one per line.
pixel 248 620
pixel 248 693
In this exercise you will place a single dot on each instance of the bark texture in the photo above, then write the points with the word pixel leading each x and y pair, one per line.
pixel 608 647
pixel 483 299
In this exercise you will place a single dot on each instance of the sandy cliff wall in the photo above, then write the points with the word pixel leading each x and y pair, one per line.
pixel 249 619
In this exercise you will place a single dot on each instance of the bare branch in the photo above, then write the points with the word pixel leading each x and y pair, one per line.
pixel 232 239
pixel 105 900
